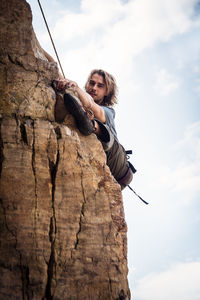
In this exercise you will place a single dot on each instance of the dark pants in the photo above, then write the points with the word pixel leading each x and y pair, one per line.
pixel 118 164
pixel 121 169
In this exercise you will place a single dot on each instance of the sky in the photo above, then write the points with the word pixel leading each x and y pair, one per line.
pixel 152 47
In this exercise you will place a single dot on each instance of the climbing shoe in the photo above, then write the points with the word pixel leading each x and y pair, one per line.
pixel 74 108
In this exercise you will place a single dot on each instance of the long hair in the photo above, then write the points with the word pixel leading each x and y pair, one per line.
pixel 111 86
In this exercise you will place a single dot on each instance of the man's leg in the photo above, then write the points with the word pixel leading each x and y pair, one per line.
pixel 116 155
pixel 80 115
pixel 120 168
pixel 104 134
pixel 118 164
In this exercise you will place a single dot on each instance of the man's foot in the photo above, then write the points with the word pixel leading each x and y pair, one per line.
pixel 79 114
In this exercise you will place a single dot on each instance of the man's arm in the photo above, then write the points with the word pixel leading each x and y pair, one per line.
pixel 88 103
pixel 86 100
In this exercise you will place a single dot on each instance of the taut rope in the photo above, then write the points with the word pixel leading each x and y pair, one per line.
pixel 51 37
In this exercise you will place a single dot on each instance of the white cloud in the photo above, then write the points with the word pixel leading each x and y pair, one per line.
pixel 184 176
pixel 112 33
pixel 94 16
pixel 191 142
pixel 197 89
pixel 181 281
pixel 187 172
pixel 165 82
pixel 139 21
pixel 196 69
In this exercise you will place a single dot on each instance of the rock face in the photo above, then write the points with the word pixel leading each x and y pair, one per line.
pixel 62 226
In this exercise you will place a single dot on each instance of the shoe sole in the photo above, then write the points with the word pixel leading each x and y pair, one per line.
pixel 75 109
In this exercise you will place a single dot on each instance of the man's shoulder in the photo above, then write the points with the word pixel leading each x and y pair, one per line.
pixel 109 111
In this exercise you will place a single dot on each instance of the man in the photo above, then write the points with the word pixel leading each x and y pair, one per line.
pixel 96 115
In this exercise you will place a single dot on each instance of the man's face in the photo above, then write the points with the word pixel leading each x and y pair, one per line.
pixel 97 88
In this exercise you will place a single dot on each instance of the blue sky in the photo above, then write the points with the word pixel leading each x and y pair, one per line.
pixel 152 48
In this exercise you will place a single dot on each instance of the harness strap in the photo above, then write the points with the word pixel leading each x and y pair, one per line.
pixel 129 152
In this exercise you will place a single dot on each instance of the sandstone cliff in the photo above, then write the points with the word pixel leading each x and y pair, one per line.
pixel 62 227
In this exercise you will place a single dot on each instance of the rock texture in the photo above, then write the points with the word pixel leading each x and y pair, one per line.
pixel 62 226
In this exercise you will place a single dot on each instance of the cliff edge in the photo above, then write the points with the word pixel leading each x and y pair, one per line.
pixel 62 229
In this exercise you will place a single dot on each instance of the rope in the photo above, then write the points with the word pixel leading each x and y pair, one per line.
pixel 51 37
pixel 137 195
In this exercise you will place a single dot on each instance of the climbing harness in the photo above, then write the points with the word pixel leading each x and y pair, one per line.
pixel 51 37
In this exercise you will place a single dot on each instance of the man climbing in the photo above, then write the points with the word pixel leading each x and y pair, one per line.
pixel 96 115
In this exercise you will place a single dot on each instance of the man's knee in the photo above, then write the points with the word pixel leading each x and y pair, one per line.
pixel 105 136
pixel 126 179
pixel 119 166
